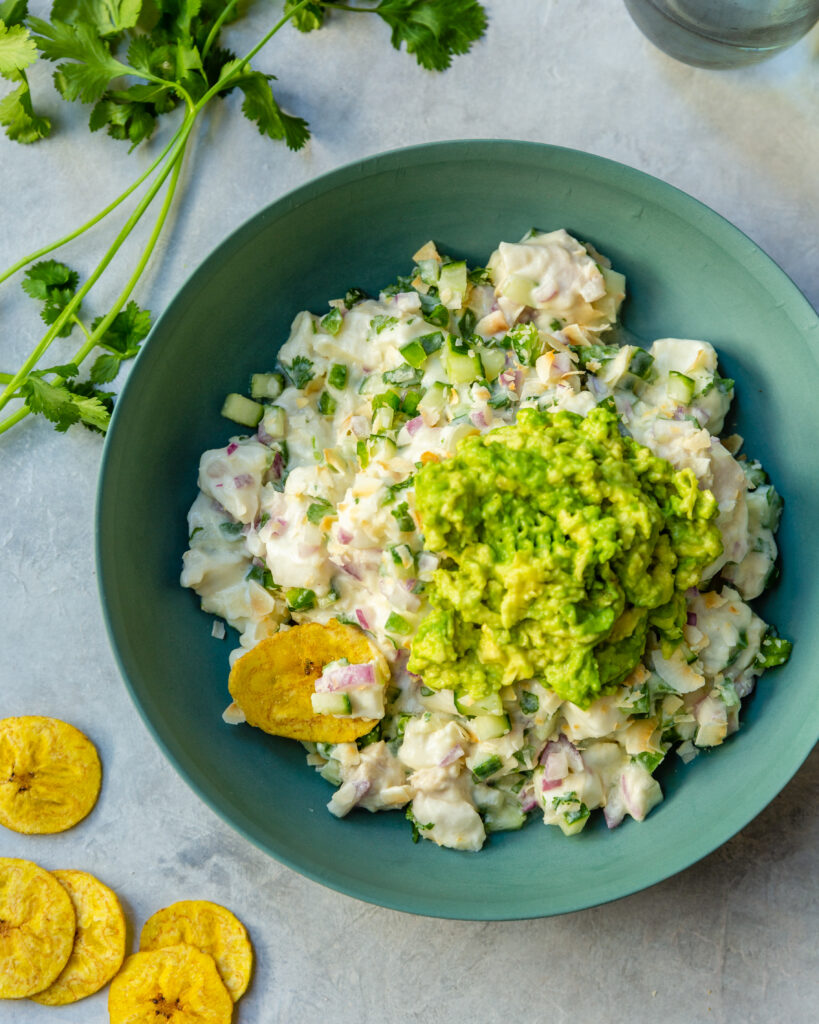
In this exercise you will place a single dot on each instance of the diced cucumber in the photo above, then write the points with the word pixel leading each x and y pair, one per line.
pixel 428 271
pixel 274 421
pixel 242 410
pixel 414 353
pixel 331 703
pixel 435 398
pixel 486 768
pixel 490 727
pixel 680 387
pixel 641 363
pixel 471 706
pixel 382 419
pixel 266 385
pixel 609 303
pixel 411 400
pixel 404 375
pixel 518 289
pixel 461 364
pixel 381 447
pixel 452 284
pixel 493 361
pixel 506 817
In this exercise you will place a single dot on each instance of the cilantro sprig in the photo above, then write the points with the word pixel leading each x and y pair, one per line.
pixel 132 63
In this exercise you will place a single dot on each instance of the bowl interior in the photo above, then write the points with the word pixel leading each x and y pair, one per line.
pixel 689 273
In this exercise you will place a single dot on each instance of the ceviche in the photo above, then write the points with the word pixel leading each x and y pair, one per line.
pixel 486 558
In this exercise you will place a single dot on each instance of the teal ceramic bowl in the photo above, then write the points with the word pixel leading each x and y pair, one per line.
pixel 690 274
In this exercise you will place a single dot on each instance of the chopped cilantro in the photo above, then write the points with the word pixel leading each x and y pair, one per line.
pixel 300 371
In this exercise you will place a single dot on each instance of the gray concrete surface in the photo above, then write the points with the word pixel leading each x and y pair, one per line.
pixel 733 938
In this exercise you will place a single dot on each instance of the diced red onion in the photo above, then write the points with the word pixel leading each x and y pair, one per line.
pixel 231 448
pixel 277 526
pixel 548 784
pixel 362 787
pixel 214 504
pixel 343 537
pixel 562 362
pixel 351 572
pixel 346 677
pixel 691 593
pixel 744 687
pixel 262 435
pixel 401 658
pixel 628 797
pixel 528 803
pixel 308 550
pixel 573 758
pixel 243 480
pixel 614 812
pixel 453 755
pixel 410 584
pixel 359 614
pixel 414 425
pixel 555 762
pixel 478 419
pixel 691 619
pixel 277 466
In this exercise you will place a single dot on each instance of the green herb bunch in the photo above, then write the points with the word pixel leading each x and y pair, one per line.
pixel 134 62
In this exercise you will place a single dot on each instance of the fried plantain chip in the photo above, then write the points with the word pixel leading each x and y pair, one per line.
pixel 274 681
pixel 36 928
pixel 173 985
pixel 49 775
pixel 213 930
pixel 99 942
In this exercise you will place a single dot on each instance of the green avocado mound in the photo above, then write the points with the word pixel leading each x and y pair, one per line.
pixel 562 544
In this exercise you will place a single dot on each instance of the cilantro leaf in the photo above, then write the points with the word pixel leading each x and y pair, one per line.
pixel 260 106
pixel 18 117
pixel 17 50
pixel 434 30
pixel 13 12
pixel 127 331
pixel 93 65
pixel 65 402
pixel 123 118
pixel 53 284
pixel 108 17
pixel 300 371
pixel 308 18
pixel 105 368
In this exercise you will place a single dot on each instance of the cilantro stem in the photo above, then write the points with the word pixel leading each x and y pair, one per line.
pixel 93 337
pixel 71 306
pixel 94 220
pixel 238 68
pixel 217 25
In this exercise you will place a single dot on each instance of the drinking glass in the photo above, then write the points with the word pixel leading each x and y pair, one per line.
pixel 723 33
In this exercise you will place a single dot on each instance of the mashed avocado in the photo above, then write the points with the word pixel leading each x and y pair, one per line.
pixel 563 543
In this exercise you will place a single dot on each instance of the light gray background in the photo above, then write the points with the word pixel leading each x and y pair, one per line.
pixel 733 939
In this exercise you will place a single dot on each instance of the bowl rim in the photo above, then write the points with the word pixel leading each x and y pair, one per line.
pixel 707 220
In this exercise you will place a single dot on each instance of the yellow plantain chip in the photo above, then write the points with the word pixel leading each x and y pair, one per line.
pixel 36 928
pixel 49 775
pixel 99 943
pixel 173 985
pixel 213 930
pixel 274 681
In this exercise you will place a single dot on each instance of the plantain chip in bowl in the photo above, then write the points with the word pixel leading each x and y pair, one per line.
pixel 272 684
pixel 50 775
pixel 212 929
pixel 99 943
pixel 174 985
pixel 37 924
